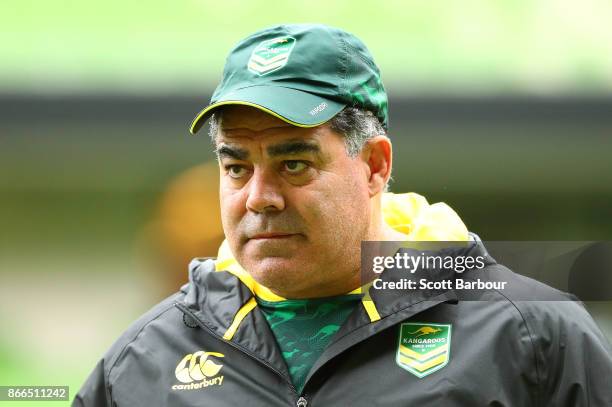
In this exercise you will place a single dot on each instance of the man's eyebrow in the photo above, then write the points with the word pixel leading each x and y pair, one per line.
pixel 294 147
pixel 226 151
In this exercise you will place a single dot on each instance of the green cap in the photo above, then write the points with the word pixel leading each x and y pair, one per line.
pixel 304 74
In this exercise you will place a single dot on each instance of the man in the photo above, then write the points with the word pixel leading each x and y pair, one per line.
pixel 284 316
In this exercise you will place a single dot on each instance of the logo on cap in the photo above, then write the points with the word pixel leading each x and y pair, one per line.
pixel 271 55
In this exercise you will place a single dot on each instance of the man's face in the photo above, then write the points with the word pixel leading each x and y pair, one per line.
pixel 294 205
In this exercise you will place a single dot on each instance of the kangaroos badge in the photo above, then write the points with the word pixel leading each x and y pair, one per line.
pixel 423 348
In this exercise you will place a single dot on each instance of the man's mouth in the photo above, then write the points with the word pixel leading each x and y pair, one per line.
pixel 271 235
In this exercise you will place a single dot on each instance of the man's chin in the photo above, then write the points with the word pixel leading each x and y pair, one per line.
pixel 275 273
pixel 273 266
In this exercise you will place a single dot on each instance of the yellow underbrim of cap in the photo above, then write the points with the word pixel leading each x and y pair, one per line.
pixel 208 110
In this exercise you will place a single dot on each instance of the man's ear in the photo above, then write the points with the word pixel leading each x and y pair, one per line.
pixel 377 155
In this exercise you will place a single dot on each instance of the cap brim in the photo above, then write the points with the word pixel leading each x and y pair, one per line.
pixel 293 106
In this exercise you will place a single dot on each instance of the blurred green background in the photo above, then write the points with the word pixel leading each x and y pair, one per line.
pixel 501 109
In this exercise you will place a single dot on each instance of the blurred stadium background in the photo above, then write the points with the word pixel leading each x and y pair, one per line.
pixel 501 109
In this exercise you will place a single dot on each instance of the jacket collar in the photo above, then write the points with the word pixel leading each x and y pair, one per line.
pixel 217 295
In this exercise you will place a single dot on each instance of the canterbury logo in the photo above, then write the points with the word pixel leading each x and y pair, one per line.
pixel 198 370
pixel 426 330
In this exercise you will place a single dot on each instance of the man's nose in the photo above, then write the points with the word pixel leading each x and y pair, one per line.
pixel 264 193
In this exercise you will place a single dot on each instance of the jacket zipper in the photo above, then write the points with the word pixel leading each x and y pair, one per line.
pixel 301 402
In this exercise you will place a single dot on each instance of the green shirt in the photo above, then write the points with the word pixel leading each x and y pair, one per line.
pixel 303 329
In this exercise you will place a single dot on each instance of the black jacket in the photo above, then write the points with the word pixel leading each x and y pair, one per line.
pixel 209 345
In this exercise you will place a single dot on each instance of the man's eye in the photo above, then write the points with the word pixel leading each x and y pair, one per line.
pixel 295 167
pixel 236 171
